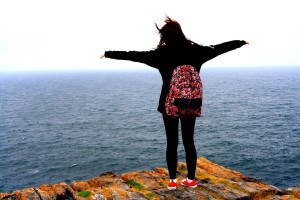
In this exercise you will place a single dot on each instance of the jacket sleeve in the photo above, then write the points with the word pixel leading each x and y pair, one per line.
pixel 216 50
pixel 146 57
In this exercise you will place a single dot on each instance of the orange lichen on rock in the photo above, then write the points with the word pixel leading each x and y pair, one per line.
pixel 81 185
pixel 4 195
pixel 218 171
pixel 97 182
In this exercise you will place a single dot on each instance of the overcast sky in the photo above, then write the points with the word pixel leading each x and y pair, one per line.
pixel 71 34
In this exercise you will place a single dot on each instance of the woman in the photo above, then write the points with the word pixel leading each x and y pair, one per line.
pixel 173 50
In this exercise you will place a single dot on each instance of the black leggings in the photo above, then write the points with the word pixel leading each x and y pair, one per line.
pixel 187 128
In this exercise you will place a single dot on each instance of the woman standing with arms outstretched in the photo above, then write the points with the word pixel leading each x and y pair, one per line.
pixel 173 50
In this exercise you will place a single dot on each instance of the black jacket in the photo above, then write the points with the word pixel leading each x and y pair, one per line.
pixel 165 59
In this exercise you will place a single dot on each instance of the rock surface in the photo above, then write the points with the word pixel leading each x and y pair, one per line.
pixel 214 182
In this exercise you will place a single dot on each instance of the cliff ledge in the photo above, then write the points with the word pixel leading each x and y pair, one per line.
pixel 214 182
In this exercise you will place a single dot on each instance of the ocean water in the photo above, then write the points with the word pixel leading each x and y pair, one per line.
pixel 65 126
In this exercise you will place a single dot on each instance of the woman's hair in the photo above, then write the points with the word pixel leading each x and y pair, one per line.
pixel 171 34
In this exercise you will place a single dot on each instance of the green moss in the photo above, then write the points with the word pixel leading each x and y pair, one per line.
pixel 212 193
pixel 234 186
pixel 183 169
pixel 134 184
pixel 84 193
pixel 150 195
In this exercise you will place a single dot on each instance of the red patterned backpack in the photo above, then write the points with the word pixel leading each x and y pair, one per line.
pixel 185 94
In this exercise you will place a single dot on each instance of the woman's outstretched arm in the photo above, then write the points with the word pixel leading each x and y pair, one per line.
pixel 216 50
pixel 146 57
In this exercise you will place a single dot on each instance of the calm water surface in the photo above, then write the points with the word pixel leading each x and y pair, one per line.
pixel 65 126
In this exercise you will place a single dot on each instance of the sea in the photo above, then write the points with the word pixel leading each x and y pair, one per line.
pixel 64 126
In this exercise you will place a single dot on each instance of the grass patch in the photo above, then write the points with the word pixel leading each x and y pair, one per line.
pixel 84 193
pixel 150 195
pixel 134 184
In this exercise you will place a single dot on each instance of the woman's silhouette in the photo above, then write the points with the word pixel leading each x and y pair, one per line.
pixel 173 50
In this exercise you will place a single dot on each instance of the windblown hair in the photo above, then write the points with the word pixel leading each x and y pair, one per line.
pixel 171 34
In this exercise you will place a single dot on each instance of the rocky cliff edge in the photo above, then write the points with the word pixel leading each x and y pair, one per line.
pixel 214 182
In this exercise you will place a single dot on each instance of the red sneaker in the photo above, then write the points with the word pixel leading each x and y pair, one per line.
pixel 192 184
pixel 172 185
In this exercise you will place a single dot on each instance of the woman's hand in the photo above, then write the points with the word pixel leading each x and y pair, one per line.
pixel 102 56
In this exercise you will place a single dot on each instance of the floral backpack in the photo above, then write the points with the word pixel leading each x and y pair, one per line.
pixel 185 94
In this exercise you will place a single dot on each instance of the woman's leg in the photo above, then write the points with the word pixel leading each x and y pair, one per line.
pixel 187 127
pixel 171 127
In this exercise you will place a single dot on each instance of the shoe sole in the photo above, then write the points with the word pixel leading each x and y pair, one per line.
pixel 189 186
pixel 172 188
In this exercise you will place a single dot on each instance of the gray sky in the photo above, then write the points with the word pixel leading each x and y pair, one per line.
pixel 71 34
